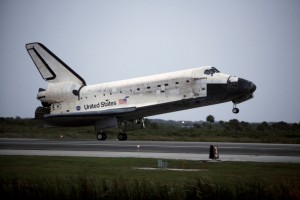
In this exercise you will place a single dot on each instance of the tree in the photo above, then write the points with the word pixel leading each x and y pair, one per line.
pixel 197 125
pixel 234 124
pixel 245 126
pixel 263 126
pixel 281 126
pixel 210 119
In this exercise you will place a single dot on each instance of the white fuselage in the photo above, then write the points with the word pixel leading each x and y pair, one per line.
pixel 141 92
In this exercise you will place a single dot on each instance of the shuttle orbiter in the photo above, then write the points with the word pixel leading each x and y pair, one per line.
pixel 69 101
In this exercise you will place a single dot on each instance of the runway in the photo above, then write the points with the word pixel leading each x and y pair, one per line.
pixel 151 149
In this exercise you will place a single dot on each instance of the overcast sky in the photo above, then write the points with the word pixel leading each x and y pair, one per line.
pixel 103 41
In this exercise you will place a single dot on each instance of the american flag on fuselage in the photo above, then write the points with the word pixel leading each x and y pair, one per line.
pixel 123 101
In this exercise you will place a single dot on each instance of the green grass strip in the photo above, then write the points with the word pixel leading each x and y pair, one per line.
pixel 33 177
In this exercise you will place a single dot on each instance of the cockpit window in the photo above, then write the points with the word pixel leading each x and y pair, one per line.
pixel 207 72
pixel 215 69
pixel 211 71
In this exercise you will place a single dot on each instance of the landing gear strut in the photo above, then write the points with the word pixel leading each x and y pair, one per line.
pixel 235 110
pixel 101 136
pixel 122 136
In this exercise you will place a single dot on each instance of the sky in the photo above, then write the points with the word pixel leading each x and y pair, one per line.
pixel 114 40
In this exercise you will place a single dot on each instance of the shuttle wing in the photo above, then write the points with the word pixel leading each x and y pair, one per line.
pixel 102 113
pixel 86 118
pixel 51 68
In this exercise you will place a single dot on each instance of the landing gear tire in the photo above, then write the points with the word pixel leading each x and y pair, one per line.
pixel 101 136
pixel 122 136
pixel 235 110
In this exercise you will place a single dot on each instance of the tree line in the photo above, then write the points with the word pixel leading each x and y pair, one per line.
pixel 210 123
pixel 235 124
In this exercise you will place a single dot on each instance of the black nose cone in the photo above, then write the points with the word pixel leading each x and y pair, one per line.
pixel 246 86
pixel 252 87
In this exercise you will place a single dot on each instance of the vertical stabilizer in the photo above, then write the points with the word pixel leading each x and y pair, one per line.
pixel 51 68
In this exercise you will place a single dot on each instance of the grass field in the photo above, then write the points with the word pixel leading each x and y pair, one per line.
pixel 117 178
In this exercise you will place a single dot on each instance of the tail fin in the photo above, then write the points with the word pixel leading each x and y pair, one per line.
pixel 51 68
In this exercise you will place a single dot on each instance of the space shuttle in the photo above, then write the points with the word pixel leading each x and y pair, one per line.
pixel 69 101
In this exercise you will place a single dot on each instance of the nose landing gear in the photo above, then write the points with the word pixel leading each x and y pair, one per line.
pixel 235 110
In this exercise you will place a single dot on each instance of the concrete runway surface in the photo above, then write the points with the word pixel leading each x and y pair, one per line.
pixel 152 149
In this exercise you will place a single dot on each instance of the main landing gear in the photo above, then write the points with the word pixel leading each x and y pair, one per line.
pixel 101 135
pixel 235 110
pixel 122 136
pixel 122 125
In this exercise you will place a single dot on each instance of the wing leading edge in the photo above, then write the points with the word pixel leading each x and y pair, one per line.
pixel 102 113
pixel 85 118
